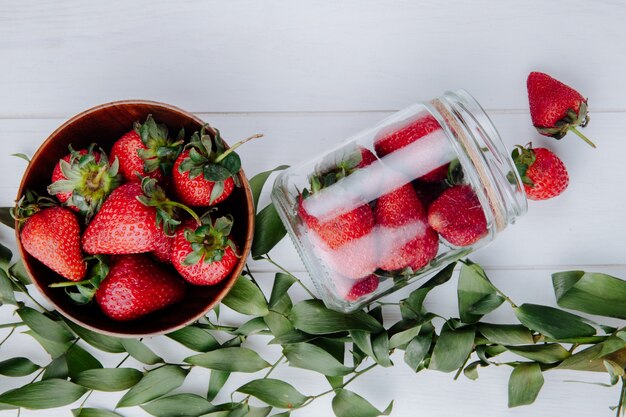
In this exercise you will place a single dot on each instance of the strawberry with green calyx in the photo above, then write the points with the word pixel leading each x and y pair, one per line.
pixel 82 292
pixel 51 234
pixel 205 173
pixel 83 179
pixel 166 210
pixel 203 251
pixel 136 286
pixel 147 150
pixel 556 108
pixel 543 173
pixel 352 162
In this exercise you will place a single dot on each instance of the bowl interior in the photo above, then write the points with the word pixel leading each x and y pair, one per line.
pixel 104 125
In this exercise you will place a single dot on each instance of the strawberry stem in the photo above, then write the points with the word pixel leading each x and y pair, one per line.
pixel 184 207
pixel 67 284
pixel 235 146
pixel 583 137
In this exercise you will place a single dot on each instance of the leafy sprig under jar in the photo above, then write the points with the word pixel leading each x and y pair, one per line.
pixel 397 202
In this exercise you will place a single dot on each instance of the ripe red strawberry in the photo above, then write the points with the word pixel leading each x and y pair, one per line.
pixel 458 216
pixel 163 251
pixel 390 141
pixel 544 175
pixel 205 173
pixel 83 179
pixel 52 236
pixel 136 286
pixel 146 151
pixel 556 108
pixel 404 236
pixel 123 224
pixel 352 290
pixel 204 254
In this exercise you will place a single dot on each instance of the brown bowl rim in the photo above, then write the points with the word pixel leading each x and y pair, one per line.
pixel 232 278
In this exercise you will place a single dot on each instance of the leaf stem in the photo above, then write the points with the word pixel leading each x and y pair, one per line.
pixel 270 260
pixel 355 376
pixel 7 337
pixel 622 396
pixel 14 324
pixel 274 366
pixel 183 207
pixel 458 373
pixel 123 360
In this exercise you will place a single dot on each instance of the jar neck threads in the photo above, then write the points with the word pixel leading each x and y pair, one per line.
pixel 482 154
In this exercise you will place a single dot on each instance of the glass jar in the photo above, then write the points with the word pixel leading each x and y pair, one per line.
pixel 397 202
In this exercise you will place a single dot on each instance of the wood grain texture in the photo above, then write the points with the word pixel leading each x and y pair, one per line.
pixel 61 57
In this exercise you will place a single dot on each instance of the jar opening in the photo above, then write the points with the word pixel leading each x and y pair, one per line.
pixel 492 167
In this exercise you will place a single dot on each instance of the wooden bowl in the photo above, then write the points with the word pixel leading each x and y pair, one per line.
pixel 103 125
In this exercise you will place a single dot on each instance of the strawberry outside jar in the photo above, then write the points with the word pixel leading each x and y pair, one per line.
pixel 397 202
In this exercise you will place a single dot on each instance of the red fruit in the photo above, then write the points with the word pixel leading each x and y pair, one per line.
pixel 367 157
pixel 543 174
pixel 52 236
pixel 146 151
pixel 198 191
pixel 83 179
pixel 556 108
pixel 352 290
pixel 458 216
pixel 163 251
pixel 204 254
pixel 136 286
pixel 388 142
pixel 205 174
pixel 428 192
pixel 404 236
pixel 123 224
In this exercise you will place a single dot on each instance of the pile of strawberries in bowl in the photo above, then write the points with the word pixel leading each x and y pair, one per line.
pixel 134 218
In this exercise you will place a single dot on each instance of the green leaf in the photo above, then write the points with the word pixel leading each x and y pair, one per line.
pixel 552 322
pixel 6 290
pixel 591 293
pixel 108 379
pixel 269 230
pixel 403 332
pixel 18 367
pixel 246 297
pixel 6 218
pixel 524 384
pixel 282 283
pixel 417 349
pixel 44 326
pixel 57 369
pixel 5 256
pixel 154 384
pixel 97 340
pixel 53 348
pixel 380 345
pixel 278 324
pixel 18 271
pixel 477 295
pixel 417 297
pixel 79 360
pixel 93 412
pixel 506 334
pixel 140 351
pixel 312 317
pixel 258 181
pixel 543 353
pixel 615 371
pixel 452 348
pixel 43 394
pixel 274 392
pixel 252 326
pixel 471 370
pixel 309 356
pixel 178 405
pixel 232 359
pixel 363 340
pixel 195 338
pixel 216 383
pixel 348 404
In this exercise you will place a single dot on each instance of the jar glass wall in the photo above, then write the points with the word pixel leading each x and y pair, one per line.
pixel 397 202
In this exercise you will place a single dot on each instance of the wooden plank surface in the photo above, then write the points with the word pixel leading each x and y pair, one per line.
pixel 308 75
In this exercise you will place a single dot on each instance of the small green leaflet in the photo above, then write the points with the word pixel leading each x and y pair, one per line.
pixel 524 384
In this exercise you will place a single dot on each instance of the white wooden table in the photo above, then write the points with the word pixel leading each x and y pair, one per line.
pixel 308 75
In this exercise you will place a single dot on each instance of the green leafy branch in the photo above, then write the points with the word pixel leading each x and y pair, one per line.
pixel 342 347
